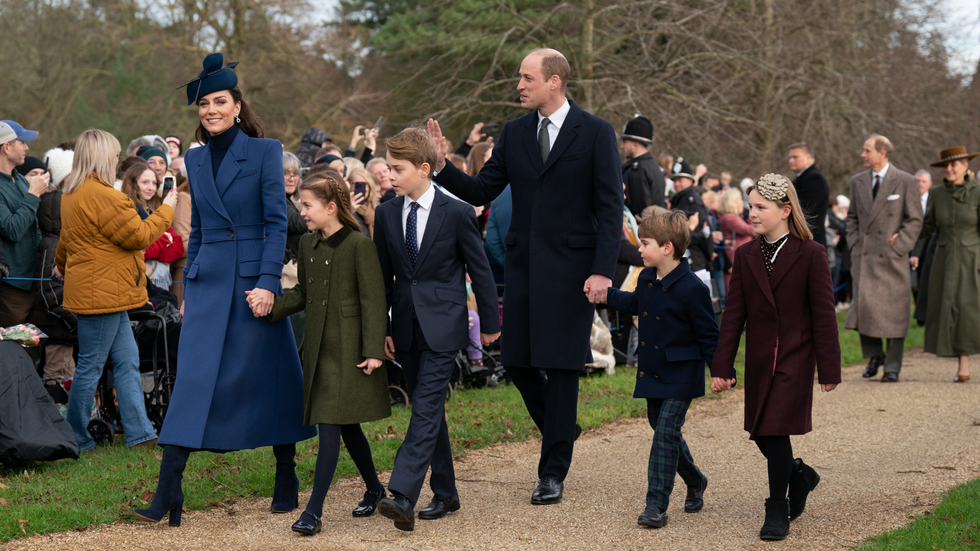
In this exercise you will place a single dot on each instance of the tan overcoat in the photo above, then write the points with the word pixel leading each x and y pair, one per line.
pixel 882 302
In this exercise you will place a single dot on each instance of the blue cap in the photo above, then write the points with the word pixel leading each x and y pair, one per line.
pixel 19 133
pixel 212 79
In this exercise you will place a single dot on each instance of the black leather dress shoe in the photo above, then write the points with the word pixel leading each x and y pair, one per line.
pixel 400 510
pixel 549 491
pixel 695 497
pixel 652 518
pixel 889 378
pixel 873 364
pixel 368 505
pixel 578 431
pixel 438 508
pixel 308 524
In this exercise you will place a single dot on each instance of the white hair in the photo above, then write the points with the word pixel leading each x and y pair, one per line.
pixel 843 202
pixel 922 171
pixel 745 184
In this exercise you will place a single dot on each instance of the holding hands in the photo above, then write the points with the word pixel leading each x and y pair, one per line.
pixel 260 301
pixel 369 365
pixel 720 384
pixel 596 287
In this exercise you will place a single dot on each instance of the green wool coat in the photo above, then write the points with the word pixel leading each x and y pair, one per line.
pixel 341 289
pixel 953 309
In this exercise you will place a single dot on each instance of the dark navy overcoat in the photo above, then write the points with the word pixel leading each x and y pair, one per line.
pixel 566 225
pixel 239 380
pixel 678 332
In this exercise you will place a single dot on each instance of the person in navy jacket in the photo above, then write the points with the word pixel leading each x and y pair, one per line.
pixel 241 382
pixel 678 335
pixel 563 168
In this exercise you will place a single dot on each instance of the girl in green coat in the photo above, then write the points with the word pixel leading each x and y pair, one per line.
pixel 344 383
pixel 953 308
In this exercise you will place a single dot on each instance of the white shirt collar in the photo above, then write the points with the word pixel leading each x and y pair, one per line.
pixel 425 201
pixel 558 117
pixel 881 173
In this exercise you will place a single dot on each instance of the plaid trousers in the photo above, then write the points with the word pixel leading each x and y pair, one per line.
pixel 669 454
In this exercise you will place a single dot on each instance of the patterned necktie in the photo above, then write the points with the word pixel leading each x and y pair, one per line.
pixel 874 189
pixel 544 140
pixel 411 234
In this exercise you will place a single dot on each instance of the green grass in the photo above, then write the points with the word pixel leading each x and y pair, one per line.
pixel 953 525
pixel 104 485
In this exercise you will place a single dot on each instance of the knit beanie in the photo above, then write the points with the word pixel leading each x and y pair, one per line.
pixel 59 164
pixel 147 151
pixel 30 163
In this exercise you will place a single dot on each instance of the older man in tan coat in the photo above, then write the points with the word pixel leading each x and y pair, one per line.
pixel 884 219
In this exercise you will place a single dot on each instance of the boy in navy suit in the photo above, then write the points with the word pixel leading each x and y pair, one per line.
pixel 427 242
pixel 678 335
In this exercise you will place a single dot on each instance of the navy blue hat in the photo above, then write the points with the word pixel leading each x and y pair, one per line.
pixel 30 163
pixel 327 159
pixel 212 79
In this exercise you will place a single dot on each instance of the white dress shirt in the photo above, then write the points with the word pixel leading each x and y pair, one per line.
pixel 925 199
pixel 421 215
pixel 555 121
pixel 881 173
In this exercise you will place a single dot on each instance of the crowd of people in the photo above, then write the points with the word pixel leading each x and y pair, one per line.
pixel 374 258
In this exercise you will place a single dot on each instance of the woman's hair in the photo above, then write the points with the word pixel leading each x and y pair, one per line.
pixel 130 187
pixel 666 162
pixel 328 187
pixel 459 162
pixel 290 162
pixel 474 162
pixel 352 163
pixel 709 197
pixel 96 156
pixel 728 203
pixel 797 219
pixel 251 124
pixel 128 162
pixel 372 185
pixel 667 227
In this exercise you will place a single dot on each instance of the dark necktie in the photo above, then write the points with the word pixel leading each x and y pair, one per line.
pixel 874 189
pixel 544 140
pixel 411 234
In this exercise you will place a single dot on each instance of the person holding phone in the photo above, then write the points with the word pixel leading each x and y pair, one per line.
pixel 139 182
pixel 364 188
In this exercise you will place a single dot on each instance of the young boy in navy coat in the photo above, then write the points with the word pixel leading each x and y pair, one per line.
pixel 678 335
pixel 427 242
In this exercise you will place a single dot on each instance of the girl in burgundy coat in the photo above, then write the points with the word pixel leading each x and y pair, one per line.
pixel 782 295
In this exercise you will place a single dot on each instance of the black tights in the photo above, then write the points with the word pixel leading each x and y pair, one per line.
pixel 779 452
pixel 326 461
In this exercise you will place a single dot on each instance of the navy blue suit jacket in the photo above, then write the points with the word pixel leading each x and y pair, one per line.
pixel 567 224
pixel 434 290
pixel 678 332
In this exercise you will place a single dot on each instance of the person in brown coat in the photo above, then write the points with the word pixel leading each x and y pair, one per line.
pixel 781 293
pixel 883 224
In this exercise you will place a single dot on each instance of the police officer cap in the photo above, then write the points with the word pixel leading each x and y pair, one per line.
pixel 682 170
pixel 212 79
pixel 640 129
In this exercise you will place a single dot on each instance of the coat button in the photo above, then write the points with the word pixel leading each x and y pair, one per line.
pixel 644 314
pixel 312 259
pixel 665 289
pixel 415 282
pixel 311 280
pixel 642 343
pixel 231 235
pixel 327 262
pixel 311 301
pixel 658 318
pixel 656 376
pixel 649 284
pixel 640 374
pixel 656 348
pixel 324 303
pixel 324 281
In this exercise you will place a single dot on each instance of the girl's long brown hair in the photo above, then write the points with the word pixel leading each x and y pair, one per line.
pixel 797 219
pixel 131 188
pixel 328 187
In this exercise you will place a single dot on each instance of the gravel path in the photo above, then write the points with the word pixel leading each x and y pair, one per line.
pixel 885 452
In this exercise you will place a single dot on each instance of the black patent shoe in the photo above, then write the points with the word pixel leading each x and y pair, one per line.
pixel 652 518
pixel 548 492
pixel 439 508
pixel 873 364
pixel 308 524
pixel 399 509
pixel 369 504
pixel 694 501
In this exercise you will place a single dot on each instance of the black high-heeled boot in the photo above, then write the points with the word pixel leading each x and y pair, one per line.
pixel 169 497
pixel 285 495
pixel 776 526
pixel 803 481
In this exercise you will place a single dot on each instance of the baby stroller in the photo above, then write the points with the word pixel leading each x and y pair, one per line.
pixel 158 380
pixel 470 375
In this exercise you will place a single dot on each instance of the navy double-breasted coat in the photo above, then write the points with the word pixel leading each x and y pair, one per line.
pixel 678 332
pixel 239 382
pixel 566 225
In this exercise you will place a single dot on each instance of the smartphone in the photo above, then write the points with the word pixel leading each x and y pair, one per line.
pixel 360 188
pixel 168 184
pixel 490 128
pixel 380 123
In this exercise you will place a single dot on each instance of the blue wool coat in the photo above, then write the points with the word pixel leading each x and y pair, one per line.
pixel 678 332
pixel 239 382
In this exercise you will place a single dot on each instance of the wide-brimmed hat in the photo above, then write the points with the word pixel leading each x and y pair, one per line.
pixel 957 153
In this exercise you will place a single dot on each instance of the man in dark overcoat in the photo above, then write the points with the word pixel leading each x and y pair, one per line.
pixel 811 188
pixel 642 177
pixel 883 224
pixel 564 172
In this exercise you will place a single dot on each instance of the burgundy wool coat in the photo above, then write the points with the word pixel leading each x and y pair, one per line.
pixel 790 326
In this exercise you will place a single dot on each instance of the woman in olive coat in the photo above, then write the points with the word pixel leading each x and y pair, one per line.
pixel 953 310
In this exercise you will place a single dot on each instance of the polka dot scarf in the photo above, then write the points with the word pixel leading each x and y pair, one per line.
pixel 770 250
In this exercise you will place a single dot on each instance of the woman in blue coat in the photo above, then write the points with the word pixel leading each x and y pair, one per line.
pixel 241 382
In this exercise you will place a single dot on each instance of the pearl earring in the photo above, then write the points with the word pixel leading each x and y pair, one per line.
pixel 238 120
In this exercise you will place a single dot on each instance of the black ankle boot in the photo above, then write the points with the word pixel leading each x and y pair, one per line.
pixel 776 526
pixel 803 481
pixel 169 497
pixel 285 495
